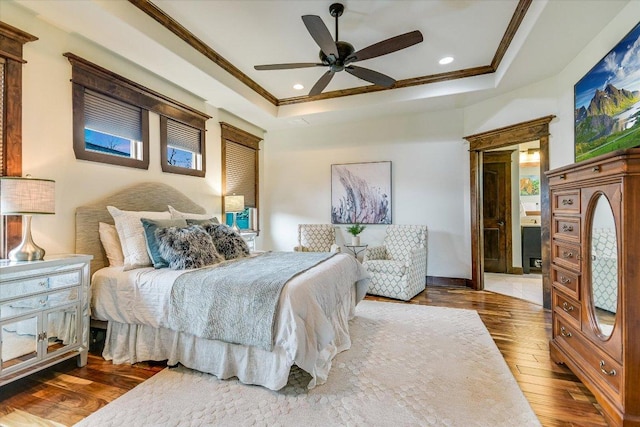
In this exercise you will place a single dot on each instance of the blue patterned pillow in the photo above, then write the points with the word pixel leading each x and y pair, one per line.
pixel 190 247
pixel 228 243
pixel 150 226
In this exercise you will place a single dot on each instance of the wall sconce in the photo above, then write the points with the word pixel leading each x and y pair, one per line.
pixel 27 196
pixel 234 204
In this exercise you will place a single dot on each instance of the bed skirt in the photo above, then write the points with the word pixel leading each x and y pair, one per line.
pixel 129 343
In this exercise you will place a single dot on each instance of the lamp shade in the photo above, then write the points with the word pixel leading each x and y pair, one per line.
pixel 27 196
pixel 233 203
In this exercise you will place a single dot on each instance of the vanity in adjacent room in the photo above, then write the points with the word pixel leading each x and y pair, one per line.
pixel 595 271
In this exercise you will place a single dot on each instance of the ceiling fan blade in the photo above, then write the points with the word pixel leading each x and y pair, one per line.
pixel 288 66
pixel 386 46
pixel 321 83
pixel 321 34
pixel 371 76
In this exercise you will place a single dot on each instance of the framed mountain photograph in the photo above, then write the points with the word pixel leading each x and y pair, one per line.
pixel 607 101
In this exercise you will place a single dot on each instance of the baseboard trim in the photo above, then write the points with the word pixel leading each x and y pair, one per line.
pixel 449 281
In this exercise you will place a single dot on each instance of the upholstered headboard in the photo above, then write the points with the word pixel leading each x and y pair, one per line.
pixel 146 196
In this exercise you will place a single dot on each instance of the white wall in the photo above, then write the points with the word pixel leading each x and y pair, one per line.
pixel 47 132
pixel 430 164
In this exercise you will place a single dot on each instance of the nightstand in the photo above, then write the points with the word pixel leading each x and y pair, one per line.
pixel 249 236
pixel 44 314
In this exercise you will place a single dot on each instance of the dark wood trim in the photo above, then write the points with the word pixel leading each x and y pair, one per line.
pixel 188 37
pixel 512 29
pixel 448 282
pixel 537 129
pixel 164 160
pixel 239 136
pixel 12 41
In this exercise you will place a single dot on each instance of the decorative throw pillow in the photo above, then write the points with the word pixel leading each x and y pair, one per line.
pixel 176 214
pixel 190 247
pixel 131 234
pixel 150 226
pixel 111 244
pixel 228 243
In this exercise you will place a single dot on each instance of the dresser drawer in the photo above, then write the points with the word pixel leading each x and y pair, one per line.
pixel 26 286
pixel 595 363
pixel 566 228
pixel 565 201
pixel 566 255
pixel 38 302
pixel 566 281
pixel 567 307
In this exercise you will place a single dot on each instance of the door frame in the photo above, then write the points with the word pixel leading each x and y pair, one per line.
pixel 537 129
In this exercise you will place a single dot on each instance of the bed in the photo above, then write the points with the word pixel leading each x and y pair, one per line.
pixel 311 319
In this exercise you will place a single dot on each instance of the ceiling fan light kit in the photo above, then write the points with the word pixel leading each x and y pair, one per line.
pixel 339 55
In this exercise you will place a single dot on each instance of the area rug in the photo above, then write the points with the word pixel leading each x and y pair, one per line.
pixel 408 365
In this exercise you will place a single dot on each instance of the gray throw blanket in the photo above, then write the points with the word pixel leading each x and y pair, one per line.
pixel 237 301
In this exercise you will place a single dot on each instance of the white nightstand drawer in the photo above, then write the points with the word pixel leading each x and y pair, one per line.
pixel 34 285
pixel 38 302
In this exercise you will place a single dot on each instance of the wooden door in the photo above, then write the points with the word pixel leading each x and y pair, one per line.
pixel 496 210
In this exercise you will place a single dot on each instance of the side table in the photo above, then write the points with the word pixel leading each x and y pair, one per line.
pixel 356 249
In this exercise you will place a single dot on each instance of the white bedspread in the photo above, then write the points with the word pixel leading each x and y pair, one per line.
pixel 311 324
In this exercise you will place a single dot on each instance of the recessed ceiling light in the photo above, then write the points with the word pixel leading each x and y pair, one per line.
pixel 298 86
pixel 446 60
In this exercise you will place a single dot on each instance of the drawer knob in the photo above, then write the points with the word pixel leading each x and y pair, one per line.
pixel 567 201
pixel 43 283
pixel 566 227
pixel 564 280
pixel 596 169
pixel 566 307
pixel 611 373
pixel 43 302
pixel 562 176
pixel 566 254
pixel 564 332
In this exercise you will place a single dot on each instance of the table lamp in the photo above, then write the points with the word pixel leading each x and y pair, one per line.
pixel 234 204
pixel 26 196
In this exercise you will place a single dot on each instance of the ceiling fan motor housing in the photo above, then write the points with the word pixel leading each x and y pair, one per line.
pixel 344 50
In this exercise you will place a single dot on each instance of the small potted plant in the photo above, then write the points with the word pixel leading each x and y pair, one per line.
pixel 354 230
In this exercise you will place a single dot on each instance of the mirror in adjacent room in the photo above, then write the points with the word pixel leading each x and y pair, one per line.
pixel 604 266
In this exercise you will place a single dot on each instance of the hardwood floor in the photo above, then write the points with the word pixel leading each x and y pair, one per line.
pixel 66 394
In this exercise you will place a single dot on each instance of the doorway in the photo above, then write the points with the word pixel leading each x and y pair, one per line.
pixel 537 129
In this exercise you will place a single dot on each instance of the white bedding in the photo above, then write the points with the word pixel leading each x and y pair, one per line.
pixel 311 323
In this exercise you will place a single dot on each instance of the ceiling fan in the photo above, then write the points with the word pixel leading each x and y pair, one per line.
pixel 339 55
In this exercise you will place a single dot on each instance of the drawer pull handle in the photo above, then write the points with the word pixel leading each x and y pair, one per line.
pixel 596 169
pixel 611 373
pixel 566 227
pixel 566 254
pixel 564 332
pixel 566 307
pixel 564 280
pixel 43 283
pixel 42 302
pixel 562 176
pixel 567 201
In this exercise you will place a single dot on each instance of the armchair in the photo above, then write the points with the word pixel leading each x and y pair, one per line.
pixel 398 268
pixel 316 238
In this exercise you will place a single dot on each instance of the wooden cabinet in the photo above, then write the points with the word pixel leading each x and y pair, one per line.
pixel 595 271
pixel 44 314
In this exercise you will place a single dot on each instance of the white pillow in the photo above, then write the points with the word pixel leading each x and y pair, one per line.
pixel 176 214
pixel 131 234
pixel 111 244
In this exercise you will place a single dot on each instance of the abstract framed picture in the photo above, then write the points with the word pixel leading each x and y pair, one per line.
pixel 607 101
pixel 361 193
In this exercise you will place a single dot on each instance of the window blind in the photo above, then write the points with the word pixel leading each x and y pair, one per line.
pixel 183 136
pixel 109 116
pixel 241 172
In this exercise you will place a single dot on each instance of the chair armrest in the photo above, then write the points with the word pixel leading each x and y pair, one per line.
pixel 375 252
pixel 335 248
pixel 299 248
pixel 417 261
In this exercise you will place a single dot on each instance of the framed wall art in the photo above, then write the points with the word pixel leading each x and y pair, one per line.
pixel 607 101
pixel 361 193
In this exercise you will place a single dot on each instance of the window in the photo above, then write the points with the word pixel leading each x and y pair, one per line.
pixel 111 122
pixel 12 41
pixel 182 148
pixel 240 172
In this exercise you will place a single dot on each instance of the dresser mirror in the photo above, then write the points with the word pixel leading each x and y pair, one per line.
pixel 604 265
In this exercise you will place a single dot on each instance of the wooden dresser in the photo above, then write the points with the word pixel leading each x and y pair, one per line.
pixel 595 271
